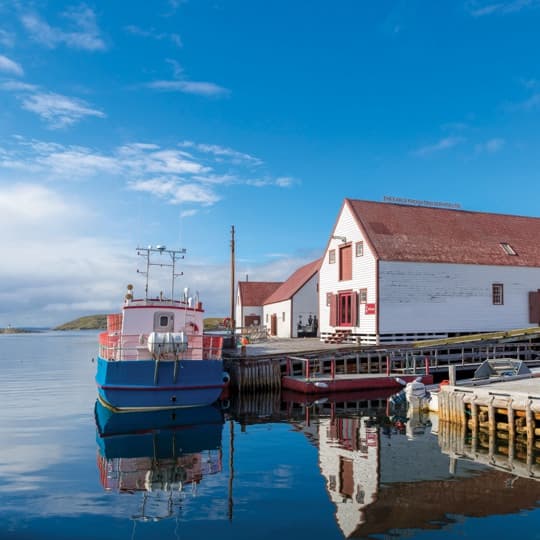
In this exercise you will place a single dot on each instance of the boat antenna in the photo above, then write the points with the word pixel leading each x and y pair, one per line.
pixel 175 255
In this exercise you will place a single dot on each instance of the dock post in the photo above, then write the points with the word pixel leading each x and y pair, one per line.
pixel 474 416
pixel 491 417
pixel 426 365
pixel 452 375
pixel 387 365
pixel 511 433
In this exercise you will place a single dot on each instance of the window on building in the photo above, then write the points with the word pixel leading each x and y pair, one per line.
pixel 362 296
pixel 345 262
pixel 328 298
pixel 508 249
pixel 497 294
pixel 332 256
pixel 359 249
pixel 283 316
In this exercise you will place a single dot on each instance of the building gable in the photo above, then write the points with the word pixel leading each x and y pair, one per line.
pixel 294 283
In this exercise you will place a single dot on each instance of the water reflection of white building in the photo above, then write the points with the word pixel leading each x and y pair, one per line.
pixel 348 457
pixel 395 477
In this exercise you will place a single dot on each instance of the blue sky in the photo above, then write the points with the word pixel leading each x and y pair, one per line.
pixel 126 123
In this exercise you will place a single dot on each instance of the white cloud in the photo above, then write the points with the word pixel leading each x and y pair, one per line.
pixel 532 102
pixel 18 86
pixel 443 144
pixel 176 191
pixel 284 181
pixel 23 205
pixel 198 178
pixel 188 213
pixel 200 88
pixel 222 152
pixel 482 8
pixel 7 39
pixel 78 162
pixel 152 33
pixel 491 146
pixel 57 110
pixel 9 66
pixel 83 34
pixel 181 83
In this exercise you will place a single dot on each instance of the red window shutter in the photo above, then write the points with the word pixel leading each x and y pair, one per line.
pixel 333 310
pixel 354 309
pixel 534 307
pixel 345 262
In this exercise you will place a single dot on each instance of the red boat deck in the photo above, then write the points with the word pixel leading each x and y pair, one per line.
pixel 324 384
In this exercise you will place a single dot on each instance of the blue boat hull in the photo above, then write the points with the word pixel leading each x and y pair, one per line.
pixel 161 434
pixel 150 385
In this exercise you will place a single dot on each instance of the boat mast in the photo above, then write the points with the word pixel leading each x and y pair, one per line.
pixel 174 254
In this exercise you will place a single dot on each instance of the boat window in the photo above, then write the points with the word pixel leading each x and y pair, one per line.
pixel 163 321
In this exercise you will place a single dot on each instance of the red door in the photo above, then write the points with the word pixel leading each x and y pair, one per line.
pixel 273 325
pixel 345 315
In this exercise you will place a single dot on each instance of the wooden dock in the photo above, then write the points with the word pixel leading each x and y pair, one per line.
pixel 502 419
pixel 269 364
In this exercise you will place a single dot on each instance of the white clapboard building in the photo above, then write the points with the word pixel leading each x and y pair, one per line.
pixel 395 273
pixel 249 301
pixel 292 310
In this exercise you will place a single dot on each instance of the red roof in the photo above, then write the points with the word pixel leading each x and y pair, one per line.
pixel 253 293
pixel 399 232
pixel 295 282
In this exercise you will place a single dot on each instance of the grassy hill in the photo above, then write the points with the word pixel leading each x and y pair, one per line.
pixel 90 322
pixel 97 322
pixel 11 330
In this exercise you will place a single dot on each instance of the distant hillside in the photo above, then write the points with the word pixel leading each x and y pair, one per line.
pixel 90 322
pixel 213 323
pixel 11 330
pixel 97 322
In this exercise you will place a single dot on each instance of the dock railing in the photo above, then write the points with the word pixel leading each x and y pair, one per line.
pixel 329 367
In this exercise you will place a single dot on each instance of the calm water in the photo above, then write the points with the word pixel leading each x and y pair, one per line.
pixel 267 468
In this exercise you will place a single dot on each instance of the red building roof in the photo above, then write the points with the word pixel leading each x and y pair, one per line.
pixel 294 283
pixel 253 293
pixel 398 232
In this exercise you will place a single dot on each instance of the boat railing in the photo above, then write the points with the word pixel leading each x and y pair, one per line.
pixel 116 346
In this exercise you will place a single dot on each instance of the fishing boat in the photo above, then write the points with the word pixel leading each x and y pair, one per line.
pixel 154 354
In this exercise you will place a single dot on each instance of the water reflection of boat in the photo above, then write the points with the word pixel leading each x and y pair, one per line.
pixel 158 453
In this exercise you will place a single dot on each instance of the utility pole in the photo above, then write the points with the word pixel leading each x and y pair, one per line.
pixel 233 322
